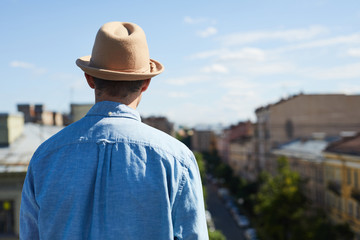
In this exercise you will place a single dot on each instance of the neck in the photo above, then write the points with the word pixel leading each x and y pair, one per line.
pixel 130 101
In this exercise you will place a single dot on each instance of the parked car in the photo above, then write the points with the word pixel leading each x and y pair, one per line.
pixel 223 192
pixel 241 220
pixel 250 234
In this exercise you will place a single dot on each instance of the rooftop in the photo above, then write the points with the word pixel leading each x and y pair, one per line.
pixel 307 149
pixel 347 145
pixel 292 97
pixel 16 157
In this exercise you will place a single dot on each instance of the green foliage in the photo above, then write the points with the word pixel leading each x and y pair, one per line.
pixel 284 213
pixel 201 164
pixel 216 235
pixel 281 204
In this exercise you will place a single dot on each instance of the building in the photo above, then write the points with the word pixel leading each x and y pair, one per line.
pixel 14 160
pixel 240 150
pixel 306 158
pixel 11 128
pixel 28 111
pixel 161 123
pixel 301 116
pixel 241 129
pixel 203 141
pixel 38 114
pixel 342 175
pixel 78 111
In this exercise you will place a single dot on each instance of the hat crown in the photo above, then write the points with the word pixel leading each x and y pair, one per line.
pixel 121 47
pixel 120 53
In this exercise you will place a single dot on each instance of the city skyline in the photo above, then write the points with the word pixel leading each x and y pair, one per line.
pixel 222 60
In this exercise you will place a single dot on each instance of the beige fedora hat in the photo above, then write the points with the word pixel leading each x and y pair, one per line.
pixel 120 53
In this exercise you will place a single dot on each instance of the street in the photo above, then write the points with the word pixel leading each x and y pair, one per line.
pixel 221 216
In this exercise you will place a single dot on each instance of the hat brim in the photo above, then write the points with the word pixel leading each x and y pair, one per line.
pixel 105 74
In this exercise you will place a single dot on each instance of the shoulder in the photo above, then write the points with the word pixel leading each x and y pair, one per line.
pixel 164 142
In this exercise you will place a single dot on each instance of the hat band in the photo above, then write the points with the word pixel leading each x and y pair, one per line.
pixel 147 69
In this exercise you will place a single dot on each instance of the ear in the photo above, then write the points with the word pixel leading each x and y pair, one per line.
pixel 145 85
pixel 90 80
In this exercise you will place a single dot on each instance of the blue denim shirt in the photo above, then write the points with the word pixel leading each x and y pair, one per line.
pixel 109 176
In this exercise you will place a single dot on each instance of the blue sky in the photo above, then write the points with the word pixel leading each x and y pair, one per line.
pixel 223 59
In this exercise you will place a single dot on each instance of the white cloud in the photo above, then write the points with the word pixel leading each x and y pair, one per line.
pixel 28 66
pixel 215 68
pixel 348 39
pixel 285 35
pixel 339 72
pixel 353 52
pixel 350 89
pixel 207 32
pixel 244 54
pixel 270 68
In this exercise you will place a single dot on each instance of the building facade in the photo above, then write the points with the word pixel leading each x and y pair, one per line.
pixel 203 141
pixel 38 114
pixel 161 123
pixel 306 158
pixel 236 148
pixel 11 128
pixel 78 111
pixel 302 116
pixel 342 181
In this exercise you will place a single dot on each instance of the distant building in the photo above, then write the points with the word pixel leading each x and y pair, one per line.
pixel 78 111
pixel 161 123
pixel 301 116
pixel 239 146
pixel 240 130
pixel 11 127
pixel 38 114
pixel 14 161
pixel 203 141
pixel 306 158
pixel 28 111
pixel 342 181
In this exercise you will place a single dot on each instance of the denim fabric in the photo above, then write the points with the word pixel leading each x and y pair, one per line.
pixel 109 176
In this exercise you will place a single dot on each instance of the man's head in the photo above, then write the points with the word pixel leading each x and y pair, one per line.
pixel 120 54
pixel 126 92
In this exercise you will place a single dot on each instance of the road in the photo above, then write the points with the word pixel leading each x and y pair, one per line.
pixel 221 216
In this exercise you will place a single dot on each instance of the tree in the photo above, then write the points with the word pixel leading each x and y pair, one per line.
pixel 284 213
pixel 216 235
pixel 281 204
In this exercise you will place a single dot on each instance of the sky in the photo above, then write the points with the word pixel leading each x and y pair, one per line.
pixel 223 59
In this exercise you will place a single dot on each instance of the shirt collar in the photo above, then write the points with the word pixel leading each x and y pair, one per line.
pixel 113 109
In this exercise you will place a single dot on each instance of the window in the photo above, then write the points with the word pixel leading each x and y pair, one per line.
pixel 7 217
pixel 350 208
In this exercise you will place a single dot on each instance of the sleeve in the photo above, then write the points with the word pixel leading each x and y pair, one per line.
pixel 188 212
pixel 29 209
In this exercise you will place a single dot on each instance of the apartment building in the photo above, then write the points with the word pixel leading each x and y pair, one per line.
pixel 301 116
pixel 342 181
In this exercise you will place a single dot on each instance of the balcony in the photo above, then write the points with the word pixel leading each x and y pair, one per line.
pixel 334 187
pixel 355 194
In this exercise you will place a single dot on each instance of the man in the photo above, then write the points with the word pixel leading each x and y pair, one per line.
pixel 109 176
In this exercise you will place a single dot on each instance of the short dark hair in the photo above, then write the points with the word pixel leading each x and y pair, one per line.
pixel 117 88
